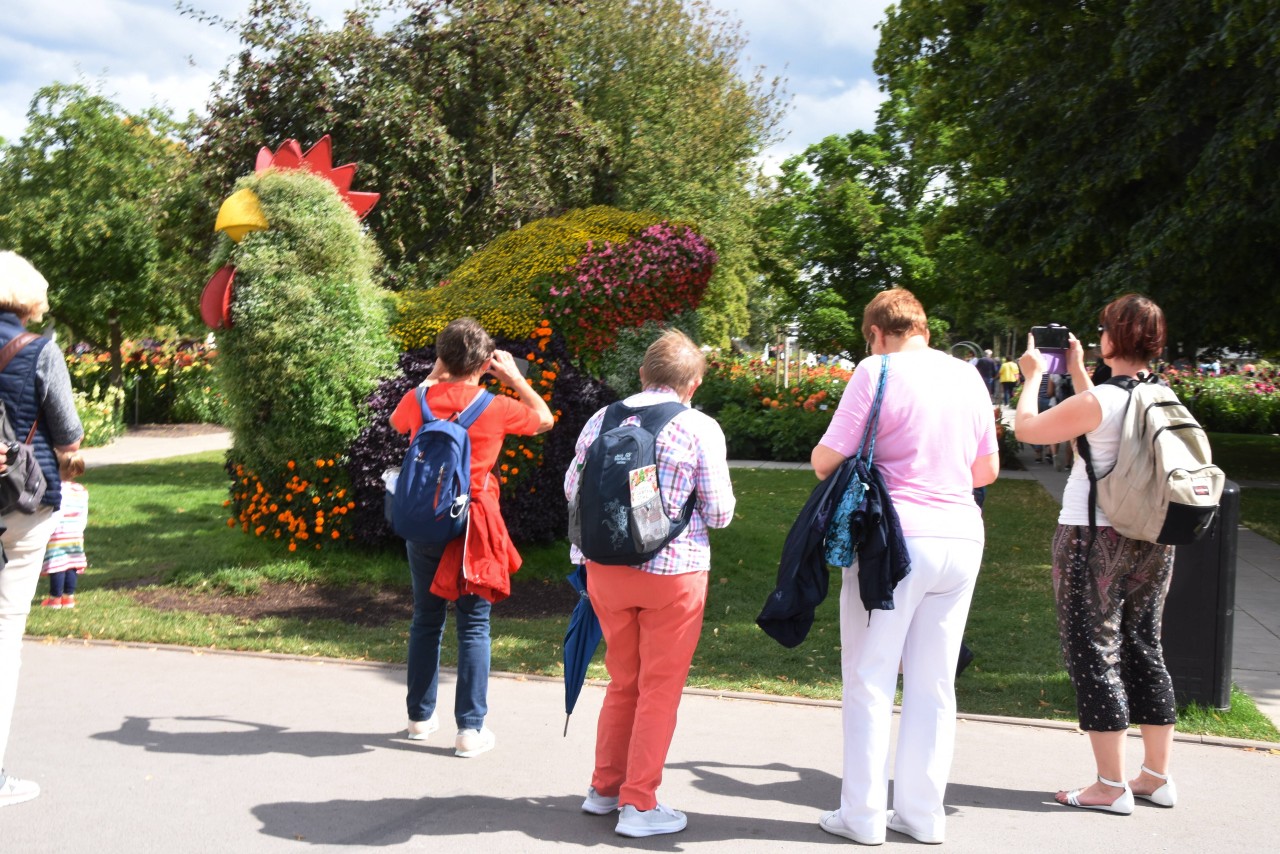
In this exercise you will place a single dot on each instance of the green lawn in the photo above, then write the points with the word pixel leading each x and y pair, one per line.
pixel 163 524
pixel 1245 457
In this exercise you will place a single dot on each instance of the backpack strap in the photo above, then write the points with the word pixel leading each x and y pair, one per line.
pixel 474 409
pixel 1082 447
pixel 466 417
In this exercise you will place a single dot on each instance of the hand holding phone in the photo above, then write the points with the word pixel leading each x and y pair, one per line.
pixel 1053 342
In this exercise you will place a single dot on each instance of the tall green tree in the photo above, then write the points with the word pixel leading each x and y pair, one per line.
pixel 472 117
pixel 94 196
pixel 458 113
pixel 844 222
pixel 1102 147
pixel 660 80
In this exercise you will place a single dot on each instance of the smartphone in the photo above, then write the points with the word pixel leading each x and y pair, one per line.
pixel 1051 337
pixel 1052 342
pixel 522 365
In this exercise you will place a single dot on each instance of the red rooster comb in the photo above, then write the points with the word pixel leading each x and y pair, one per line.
pixel 320 161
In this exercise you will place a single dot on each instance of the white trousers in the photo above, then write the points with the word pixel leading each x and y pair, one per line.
pixel 24 545
pixel 923 632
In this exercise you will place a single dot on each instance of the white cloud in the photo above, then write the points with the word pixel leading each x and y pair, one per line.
pixel 825 108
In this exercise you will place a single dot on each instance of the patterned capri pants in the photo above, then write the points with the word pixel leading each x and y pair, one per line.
pixel 1109 602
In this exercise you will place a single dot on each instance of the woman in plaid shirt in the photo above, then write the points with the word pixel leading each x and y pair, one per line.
pixel 651 614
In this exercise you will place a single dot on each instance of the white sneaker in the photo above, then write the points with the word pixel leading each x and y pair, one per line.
pixel 473 742
pixel 661 819
pixel 598 804
pixel 831 823
pixel 897 825
pixel 419 730
pixel 15 791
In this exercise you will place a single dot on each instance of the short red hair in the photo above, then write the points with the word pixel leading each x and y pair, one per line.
pixel 1136 328
pixel 896 312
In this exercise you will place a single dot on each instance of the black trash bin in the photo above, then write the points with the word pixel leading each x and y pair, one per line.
pixel 1199 615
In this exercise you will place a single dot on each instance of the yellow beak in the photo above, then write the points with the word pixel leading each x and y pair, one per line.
pixel 240 214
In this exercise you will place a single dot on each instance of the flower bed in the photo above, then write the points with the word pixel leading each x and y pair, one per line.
pixel 1231 404
pixel 165 382
pixel 764 419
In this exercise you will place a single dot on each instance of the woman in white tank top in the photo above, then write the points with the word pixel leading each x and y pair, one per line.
pixel 1109 589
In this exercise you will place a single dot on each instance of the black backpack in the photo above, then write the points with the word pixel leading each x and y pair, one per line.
pixel 618 516
pixel 22 485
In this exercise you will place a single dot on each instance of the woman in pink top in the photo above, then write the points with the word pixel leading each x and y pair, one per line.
pixel 936 441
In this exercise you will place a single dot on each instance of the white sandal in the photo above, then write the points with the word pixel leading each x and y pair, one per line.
pixel 1166 795
pixel 1122 805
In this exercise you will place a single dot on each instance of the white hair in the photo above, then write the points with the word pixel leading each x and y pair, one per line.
pixel 22 289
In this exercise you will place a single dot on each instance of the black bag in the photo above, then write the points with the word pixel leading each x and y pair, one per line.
pixel 618 516
pixel 22 484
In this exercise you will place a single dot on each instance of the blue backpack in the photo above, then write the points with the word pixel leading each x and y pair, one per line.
pixel 433 493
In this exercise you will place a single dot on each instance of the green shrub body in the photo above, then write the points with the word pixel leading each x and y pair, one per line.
pixel 307 345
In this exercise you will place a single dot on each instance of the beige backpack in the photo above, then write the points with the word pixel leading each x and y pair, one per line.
pixel 1164 487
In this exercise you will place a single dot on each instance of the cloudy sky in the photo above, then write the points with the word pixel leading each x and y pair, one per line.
pixel 145 52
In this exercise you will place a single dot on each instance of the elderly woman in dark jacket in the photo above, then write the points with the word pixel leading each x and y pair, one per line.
pixel 36 390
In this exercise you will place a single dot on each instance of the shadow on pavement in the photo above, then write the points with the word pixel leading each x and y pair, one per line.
pixel 396 821
pixel 219 736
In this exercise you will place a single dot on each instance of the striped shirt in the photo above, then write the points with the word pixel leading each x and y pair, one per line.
pixel 691 456
pixel 66 547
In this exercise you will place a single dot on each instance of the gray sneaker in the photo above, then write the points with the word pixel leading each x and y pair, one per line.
pixel 473 742
pixel 661 819
pixel 598 804
pixel 15 791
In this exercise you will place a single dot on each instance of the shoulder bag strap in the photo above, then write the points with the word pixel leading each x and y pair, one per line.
pixel 13 348
pixel 868 442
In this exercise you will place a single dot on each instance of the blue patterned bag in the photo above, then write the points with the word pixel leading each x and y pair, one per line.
pixel 840 547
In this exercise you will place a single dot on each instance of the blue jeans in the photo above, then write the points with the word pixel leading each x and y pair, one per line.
pixel 63 582
pixel 470 703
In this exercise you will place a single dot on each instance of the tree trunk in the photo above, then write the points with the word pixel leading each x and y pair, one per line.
pixel 116 348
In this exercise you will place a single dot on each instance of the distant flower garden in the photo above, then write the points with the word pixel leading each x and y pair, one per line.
pixel 1230 404
pixel 766 418
pixel 165 382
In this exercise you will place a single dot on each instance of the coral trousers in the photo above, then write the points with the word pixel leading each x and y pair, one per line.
pixel 651 626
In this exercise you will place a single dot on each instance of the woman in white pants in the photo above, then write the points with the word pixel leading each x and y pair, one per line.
pixel 935 442
pixel 38 402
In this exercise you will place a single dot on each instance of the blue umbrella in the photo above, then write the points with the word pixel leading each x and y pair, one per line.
pixel 580 642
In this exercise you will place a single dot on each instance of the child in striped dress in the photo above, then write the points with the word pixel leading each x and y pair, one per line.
pixel 64 557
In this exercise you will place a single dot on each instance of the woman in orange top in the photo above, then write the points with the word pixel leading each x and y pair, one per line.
pixel 464 353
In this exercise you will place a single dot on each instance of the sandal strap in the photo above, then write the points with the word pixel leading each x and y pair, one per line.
pixel 1155 774
pixel 1112 783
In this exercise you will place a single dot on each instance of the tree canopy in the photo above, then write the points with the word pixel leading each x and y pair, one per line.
pixel 91 195
pixel 845 221
pixel 1100 147
pixel 473 117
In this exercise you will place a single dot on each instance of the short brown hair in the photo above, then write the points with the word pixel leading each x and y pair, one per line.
pixel 896 312
pixel 1136 328
pixel 464 347
pixel 673 361
pixel 70 464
